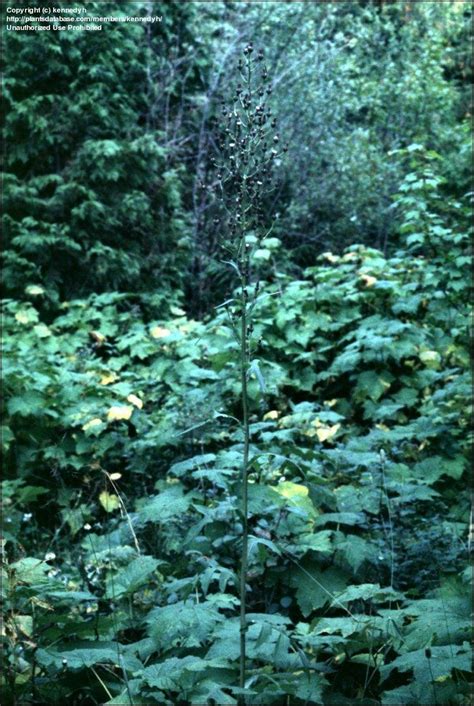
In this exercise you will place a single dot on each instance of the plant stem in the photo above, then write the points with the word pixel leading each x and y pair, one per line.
pixel 390 522
pixel 244 353
pixel 245 459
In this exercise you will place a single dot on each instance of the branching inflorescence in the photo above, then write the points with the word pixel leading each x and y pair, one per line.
pixel 241 180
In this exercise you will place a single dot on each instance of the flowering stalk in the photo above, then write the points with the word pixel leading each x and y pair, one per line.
pixel 244 364
pixel 248 145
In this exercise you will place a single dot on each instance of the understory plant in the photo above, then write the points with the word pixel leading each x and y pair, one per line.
pixel 360 357
pixel 242 178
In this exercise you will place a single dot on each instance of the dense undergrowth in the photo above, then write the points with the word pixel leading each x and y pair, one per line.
pixel 122 536
pixel 124 434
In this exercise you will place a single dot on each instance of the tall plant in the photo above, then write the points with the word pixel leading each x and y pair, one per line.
pixel 240 179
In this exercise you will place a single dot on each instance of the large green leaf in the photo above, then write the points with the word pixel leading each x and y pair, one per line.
pixel 168 504
pixel 132 577
pixel 81 654
pixel 186 623
pixel 431 664
pixel 315 587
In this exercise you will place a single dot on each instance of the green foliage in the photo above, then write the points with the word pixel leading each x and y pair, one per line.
pixel 81 211
pixel 356 498
pixel 121 435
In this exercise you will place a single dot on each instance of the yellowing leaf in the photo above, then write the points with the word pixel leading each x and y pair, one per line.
pixel 115 476
pixel 369 280
pixel 273 414
pixel 160 332
pixel 22 317
pixel 329 256
pixel 430 358
pixel 292 490
pixel 98 337
pixel 109 501
pixel 133 399
pixel 331 403
pixel 119 412
pixel 96 422
pixel 349 256
pixel 297 496
pixel 108 378
pixel 324 433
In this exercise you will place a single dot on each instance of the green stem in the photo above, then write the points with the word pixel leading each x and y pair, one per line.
pixel 244 353
pixel 244 509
